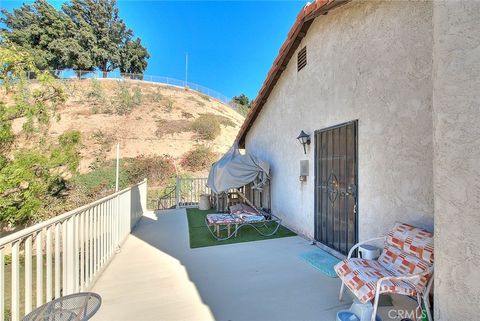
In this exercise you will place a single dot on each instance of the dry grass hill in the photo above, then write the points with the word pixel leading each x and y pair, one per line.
pixel 162 130
pixel 147 119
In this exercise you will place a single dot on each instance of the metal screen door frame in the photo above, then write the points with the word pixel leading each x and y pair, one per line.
pixel 335 190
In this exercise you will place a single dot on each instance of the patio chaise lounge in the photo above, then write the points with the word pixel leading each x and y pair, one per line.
pixel 404 267
pixel 241 215
pixel 233 171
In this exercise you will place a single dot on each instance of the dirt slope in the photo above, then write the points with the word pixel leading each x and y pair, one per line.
pixel 145 118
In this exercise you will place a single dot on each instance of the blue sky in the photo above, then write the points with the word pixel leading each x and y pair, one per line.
pixel 231 44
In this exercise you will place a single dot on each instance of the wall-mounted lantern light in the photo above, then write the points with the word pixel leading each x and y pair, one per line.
pixel 304 139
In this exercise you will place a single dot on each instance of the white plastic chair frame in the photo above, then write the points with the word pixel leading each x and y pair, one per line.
pixel 420 296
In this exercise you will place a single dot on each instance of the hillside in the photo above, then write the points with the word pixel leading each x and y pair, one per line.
pixel 147 119
pixel 68 160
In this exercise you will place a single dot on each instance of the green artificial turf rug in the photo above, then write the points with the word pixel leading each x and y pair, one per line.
pixel 200 236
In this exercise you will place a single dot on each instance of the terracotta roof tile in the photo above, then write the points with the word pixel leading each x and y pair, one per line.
pixel 309 9
pixel 303 21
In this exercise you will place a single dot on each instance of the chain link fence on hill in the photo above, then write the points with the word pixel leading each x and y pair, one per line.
pixel 97 74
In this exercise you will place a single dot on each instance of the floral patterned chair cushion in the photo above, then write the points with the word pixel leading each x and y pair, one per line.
pixel 407 250
pixel 412 240
pixel 215 219
pixel 361 276
pixel 401 263
pixel 250 218
pixel 242 208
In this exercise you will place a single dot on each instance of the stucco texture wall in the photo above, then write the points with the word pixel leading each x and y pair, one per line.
pixel 370 61
pixel 456 116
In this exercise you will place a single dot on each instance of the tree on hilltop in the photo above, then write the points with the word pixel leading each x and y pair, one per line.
pixel 133 57
pixel 47 34
pixel 243 100
pixel 244 103
pixel 83 35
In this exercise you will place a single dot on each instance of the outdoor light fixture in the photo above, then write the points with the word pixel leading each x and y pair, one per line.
pixel 304 139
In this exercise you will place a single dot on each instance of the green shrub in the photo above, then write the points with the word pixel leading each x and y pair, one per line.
pixel 170 127
pixel 34 181
pixel 6 136
pixel 98 97
pixel 105 141
pixel 96 90
pixel 24 184
pixel 99 181
pixel 66 152
pixel 206 127
pixel 156 95
pixel 156 169
pixel 69 138
pixel 137 96
pixel 199 158
pixel 187 115
pixel 168 107
pixel 223 120
pixel 124 100
pixel 194 99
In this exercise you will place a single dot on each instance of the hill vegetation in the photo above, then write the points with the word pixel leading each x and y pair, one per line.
pixel 58 138
pixel 243 102
pixel 82 35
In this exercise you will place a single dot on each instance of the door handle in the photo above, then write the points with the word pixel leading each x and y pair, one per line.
pixel 351 190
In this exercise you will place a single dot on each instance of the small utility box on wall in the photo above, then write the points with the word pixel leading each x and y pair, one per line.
pixel 303 170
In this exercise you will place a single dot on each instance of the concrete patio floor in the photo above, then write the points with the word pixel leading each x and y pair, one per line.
pixel 156 276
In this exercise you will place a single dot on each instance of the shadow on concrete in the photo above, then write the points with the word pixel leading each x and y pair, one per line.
pixel 262 280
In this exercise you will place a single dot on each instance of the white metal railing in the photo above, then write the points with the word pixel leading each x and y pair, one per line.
pixel 67 253
pixel 188 191
pixel 97 74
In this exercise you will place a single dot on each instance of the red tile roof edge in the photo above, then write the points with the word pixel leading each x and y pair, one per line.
pixel 299 29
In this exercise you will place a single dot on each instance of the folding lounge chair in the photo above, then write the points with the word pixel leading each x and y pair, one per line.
pixel 404 267
pixel 256 219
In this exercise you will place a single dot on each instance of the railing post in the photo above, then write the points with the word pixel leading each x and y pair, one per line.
pixel 15 298
pixel 69 252
pixel 2 285
pixel 74 258
pixel 118 222
pixel 143 200
pixel 28 275
pixel 177 192
pixel 39 250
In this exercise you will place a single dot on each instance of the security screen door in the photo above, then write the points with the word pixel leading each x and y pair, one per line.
pixel 336 186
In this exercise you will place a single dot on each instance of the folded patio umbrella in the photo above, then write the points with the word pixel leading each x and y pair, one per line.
pixel 235 170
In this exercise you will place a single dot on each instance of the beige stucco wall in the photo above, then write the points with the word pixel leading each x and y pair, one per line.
pixel 370 61
pixel 456 117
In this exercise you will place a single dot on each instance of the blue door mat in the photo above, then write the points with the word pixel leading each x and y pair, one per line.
pixel 321 260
